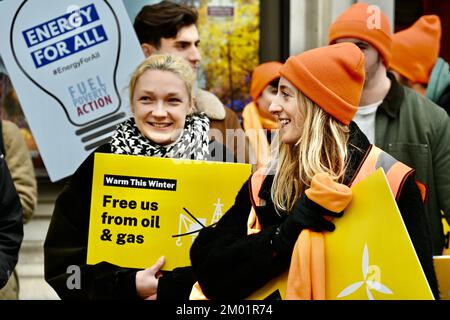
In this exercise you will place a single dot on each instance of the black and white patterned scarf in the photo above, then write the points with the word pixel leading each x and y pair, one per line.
pixel 192 143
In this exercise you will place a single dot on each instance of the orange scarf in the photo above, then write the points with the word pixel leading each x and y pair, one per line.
pixel 306 278
pixel 254 124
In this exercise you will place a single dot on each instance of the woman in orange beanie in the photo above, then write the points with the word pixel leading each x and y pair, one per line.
pixel 258 122
pixel 280 214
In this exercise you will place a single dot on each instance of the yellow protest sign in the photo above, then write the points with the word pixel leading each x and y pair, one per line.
pixel 370 254
pixel 372 249
pixel 442 269
pixel 145 207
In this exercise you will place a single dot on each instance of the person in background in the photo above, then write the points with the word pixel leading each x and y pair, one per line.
pixel 281 211
pixel 171 28
pixel 20 165
pixel 416 63
pixel 17 155
pixel 258 122
pixel 397 119
pixel 11 225
pixel 18 159
pixel 164 124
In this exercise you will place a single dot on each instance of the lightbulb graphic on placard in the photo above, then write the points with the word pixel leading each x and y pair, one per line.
pixel 73 56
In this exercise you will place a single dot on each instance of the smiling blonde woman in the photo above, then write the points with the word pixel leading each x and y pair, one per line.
pixel 280 214
pixel 164 124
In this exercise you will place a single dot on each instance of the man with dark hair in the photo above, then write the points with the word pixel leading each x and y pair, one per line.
pixel 170 28
pixel 162 21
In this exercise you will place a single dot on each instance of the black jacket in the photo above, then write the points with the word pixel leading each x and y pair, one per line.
pixel 231 265
pixel 11 227
pixel 67 238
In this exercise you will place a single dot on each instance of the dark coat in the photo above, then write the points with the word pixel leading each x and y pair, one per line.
pixel 67 238
pixel 415 131
pixel 11 226
pixel 231 265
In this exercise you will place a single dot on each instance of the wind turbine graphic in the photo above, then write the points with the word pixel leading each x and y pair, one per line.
pixel 192 225
pixel 371 275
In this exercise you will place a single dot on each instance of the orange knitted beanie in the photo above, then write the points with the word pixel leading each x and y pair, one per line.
pixel 416 49
pixel 367 23
pixel 262 75
pixel 331 76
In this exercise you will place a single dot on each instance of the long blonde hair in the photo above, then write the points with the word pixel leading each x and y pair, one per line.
pixel 322 147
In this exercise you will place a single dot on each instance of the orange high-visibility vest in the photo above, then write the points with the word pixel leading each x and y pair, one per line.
pixel 396 174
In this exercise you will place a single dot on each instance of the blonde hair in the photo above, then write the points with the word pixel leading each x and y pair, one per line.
pixel 322 147
pixel 166 62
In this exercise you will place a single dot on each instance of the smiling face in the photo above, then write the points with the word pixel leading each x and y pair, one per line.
pixel 290 114
pixel 160 105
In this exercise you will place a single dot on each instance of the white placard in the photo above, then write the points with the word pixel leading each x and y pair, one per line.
pixel 70 63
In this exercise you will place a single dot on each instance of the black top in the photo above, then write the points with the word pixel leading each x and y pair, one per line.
pixel 229 264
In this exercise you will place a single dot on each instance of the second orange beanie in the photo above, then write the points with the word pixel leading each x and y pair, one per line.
pixel 367 23
pixel 331 76
pixel 262 75
pixel 416 49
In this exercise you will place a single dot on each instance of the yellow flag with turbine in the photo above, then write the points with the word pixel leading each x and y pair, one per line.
pixel 370 255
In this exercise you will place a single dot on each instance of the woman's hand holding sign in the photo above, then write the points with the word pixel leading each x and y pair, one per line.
pixel 147 280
